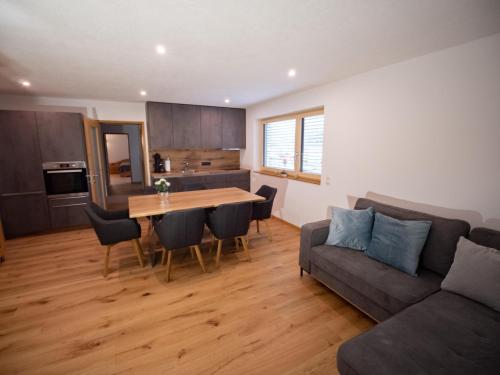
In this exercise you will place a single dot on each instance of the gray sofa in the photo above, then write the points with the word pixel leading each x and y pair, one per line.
pixel 423 330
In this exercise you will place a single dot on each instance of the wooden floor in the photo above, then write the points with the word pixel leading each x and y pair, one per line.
pixel 58 315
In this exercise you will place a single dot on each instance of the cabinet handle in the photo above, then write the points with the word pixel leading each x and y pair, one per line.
pixel 21 194
pixel 69 205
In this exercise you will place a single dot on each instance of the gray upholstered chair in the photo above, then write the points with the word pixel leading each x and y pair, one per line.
pixel 181 229
pixel 261 211
pixel 230 221
pixel 112 227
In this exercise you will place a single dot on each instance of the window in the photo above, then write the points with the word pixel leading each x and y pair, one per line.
pixel 294 144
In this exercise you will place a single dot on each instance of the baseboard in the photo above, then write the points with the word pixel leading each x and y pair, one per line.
pixel 286 222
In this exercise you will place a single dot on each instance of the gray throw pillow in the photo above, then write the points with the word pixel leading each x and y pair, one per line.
pixel 475 273
pixel 351 228
pixel 398 243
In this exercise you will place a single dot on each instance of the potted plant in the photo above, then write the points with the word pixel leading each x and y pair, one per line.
pixel 162 186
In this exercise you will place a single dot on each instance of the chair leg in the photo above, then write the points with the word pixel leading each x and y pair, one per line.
pixel 269 232
pixel 163 257
pixel 237 242
pixel 138 249
pixel 219 250
pixel 169 264
pixel 212 242
pixel 200 257
pixel 245 247
pixel 191 251
pixel 258 229
pixel 106 260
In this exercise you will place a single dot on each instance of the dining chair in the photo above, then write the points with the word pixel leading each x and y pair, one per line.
pixel 261 211
pixel 181 229
pixel 113 227
pixel 230 221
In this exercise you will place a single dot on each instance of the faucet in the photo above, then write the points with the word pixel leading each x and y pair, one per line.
pixel 186 166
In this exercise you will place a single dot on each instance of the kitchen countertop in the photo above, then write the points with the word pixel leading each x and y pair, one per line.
pixel 205 172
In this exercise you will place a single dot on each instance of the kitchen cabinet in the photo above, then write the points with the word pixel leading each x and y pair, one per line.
pixel 160 130
pixel 187 126
pixel 211 127
pixel 61 136
pixel 184 126
pixel 233 128
pixel 20 161
pixel 24 213
pixel 67 212
pixel 213 180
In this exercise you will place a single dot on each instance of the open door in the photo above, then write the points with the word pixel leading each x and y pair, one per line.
pixel 95 159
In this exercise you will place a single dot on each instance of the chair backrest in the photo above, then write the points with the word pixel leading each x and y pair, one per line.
pixel 111 226
pixel 263 209
pixel 148 190
pixel 192 186
pixel 180 229
pixel 230 220
pixel 267 192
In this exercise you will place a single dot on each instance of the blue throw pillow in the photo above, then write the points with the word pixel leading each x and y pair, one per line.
pixel 351 228
pixel 398 243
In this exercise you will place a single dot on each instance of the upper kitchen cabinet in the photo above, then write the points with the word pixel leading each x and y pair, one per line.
pixel 20 162
pixel 233 128
pixel 187 126
pixel 211 127
pixel 160 129
pixel 61 136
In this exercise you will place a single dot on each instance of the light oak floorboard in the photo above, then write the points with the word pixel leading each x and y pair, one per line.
pixel 59 315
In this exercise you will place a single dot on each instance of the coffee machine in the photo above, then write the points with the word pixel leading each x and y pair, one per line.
pixel 159 164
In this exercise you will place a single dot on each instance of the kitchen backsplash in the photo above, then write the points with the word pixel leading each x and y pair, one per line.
pixel 218 159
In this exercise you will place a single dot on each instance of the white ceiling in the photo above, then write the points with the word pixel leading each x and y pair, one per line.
pixel 241 49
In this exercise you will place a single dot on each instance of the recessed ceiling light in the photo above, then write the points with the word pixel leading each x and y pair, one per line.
pixel 292 73
pixel 160 50
pixel 25 83
pixel 227 100
pixel 143 93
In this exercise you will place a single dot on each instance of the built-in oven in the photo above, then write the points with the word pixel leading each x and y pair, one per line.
pixel 66 178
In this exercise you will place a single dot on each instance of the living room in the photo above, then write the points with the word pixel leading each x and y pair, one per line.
pixel 318 188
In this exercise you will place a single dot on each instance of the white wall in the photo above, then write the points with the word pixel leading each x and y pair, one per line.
pixel 117 145
pixel 426 130
pixel 96 109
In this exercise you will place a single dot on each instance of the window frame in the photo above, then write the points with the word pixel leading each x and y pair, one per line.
pixel 296 173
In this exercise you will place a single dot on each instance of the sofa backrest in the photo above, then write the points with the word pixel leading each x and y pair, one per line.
pixel 439 249
pixel 485 237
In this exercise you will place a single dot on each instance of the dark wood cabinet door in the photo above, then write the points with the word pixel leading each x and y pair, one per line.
pixel 211 127
pixel 187 126
pixel 61 136
pixel 67 212
pixel 24 213
pixel 20 162
pixel 160 130
pixel 233 128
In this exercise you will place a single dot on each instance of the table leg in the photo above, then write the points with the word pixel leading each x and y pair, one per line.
pixel 151 249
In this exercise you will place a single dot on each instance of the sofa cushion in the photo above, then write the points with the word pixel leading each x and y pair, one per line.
pixel 475 273
pixel 398 243
pixel 485 237
pixel 441 243
pixel 384 285
pixel 351 228
pixel 444 334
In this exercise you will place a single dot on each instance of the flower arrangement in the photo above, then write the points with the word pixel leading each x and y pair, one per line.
pixel 162 185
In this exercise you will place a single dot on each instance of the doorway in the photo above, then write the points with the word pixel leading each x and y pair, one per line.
pixel 123 162
pixel 118 159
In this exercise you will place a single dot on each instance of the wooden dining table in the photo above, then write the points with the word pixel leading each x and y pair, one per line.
pixel 153 204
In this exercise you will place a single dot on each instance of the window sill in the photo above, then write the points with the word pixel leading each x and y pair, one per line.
pixel 310 180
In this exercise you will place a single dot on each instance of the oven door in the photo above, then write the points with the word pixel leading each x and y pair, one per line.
pixel 66 181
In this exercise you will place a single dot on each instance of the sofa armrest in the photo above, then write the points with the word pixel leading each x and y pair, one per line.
pixel 311 234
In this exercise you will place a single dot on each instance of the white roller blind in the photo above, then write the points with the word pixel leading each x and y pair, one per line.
pixel 312 144
pixel 279 144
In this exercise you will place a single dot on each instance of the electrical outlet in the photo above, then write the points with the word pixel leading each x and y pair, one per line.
pixel 206 163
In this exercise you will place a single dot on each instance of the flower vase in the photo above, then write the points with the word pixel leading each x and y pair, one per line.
pixel 163 196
